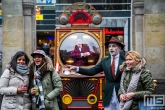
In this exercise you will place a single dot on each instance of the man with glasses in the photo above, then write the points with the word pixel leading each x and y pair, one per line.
pixel 110 67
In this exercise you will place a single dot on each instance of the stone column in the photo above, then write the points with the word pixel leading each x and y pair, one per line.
pixel 138 12
pixel 12 29
pixel 18 28
pixel 29 26
pixel 154 32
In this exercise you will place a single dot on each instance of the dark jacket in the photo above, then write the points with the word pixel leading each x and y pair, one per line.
pixel 104 65
pixel 145 85
pixel 47 85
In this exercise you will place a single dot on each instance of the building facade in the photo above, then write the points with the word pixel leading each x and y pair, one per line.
pixel 141 21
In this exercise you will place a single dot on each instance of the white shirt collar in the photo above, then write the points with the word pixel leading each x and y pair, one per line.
pixel 117 56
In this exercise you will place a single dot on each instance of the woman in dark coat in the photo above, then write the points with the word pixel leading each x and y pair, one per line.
pixel 47 81
pixel 136 81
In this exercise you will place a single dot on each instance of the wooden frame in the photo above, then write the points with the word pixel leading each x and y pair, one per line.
pixel 95 34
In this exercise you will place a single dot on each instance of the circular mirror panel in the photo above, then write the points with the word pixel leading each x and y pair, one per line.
pixel 79 49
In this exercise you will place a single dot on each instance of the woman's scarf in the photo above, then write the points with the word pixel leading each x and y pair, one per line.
pixel 131 88
pixel 22 69
pixel 39 100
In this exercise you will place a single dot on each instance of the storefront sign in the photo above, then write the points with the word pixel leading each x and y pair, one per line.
pixel 0 14
pixel 39 17
pixel 48 1
pixel 114 31
pixel 80 17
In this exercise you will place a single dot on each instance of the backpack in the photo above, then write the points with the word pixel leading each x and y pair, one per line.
pixel 59 100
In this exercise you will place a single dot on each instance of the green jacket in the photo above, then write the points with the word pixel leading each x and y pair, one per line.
pixel 104 65
pixel 49 92
pixel 145 85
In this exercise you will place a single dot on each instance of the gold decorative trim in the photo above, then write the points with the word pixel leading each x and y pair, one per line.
pixel 96 34
pixel 91 100
pixel 72 30
pixel 85 30
pixel 57 44
pixel 65 79
pixel 93 79
pixel 101 43
pixel 101 89
pixel 62 35
pixel 67 99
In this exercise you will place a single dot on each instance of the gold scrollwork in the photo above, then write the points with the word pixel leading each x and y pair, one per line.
pixel 65 79
pixel 93 79
pixel 72 30
pixel 85 30
pixel 96 34
pixel 57 44
pixel 101 43
pixel 62 35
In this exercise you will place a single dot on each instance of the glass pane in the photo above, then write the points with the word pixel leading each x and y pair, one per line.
pixel 83 51
pixel 115 13
pixel 45 22
pixel 68 1
pixel 45 27
pixel 47 11
pixel 95 1
pixel 118 1
pixel 113 7
pixel 61 7
pixel 49 16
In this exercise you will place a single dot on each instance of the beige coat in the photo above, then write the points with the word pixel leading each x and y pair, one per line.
pixel 9 82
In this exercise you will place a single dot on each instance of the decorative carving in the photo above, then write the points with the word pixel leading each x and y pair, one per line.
pixel 72 30
pixel 62 35
pixel 96 34
pixel 101 43
pixel 65 79
pixel 57 44
pixel 93 79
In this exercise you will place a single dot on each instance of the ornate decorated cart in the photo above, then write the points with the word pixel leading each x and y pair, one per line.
pixel 80 91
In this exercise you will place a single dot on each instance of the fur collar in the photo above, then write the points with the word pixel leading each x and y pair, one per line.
pixel 47 67
pixel 137 68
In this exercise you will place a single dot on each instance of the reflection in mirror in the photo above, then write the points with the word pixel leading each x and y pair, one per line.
pixel 79 49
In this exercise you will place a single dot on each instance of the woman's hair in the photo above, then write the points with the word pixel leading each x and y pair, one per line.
pixel 13 62
pixel 134 55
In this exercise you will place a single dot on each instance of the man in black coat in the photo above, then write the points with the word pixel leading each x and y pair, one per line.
pixel 110 66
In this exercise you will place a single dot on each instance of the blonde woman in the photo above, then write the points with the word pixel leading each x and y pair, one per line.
pixel 136 81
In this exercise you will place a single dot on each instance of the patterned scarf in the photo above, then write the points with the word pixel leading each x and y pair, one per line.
pixel 131 88
pixel 39 100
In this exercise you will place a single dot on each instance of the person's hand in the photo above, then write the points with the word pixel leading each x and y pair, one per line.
pixel 21 90
pixel 85 54
pixel 130 95
pixel 70 67
pixel 123 97
pixel 33 90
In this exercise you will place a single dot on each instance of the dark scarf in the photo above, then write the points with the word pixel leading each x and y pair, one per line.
pixel 39 100
pixel 22 69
